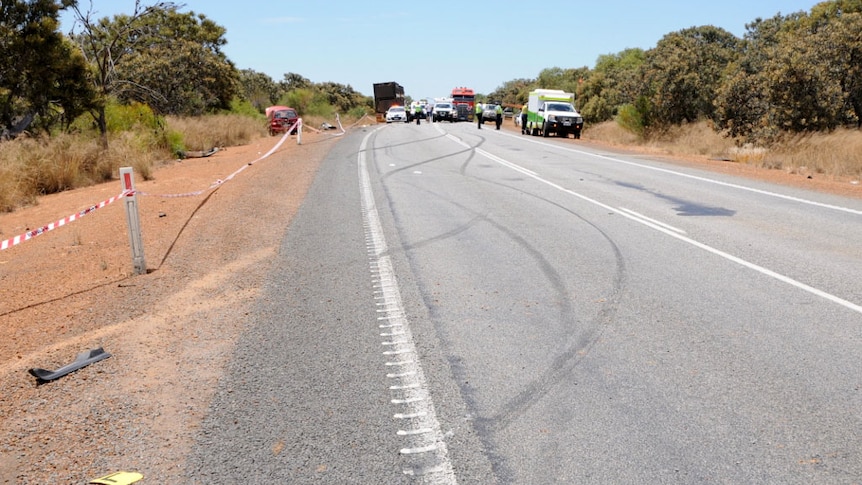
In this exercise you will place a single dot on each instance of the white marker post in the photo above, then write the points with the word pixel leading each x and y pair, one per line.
pixel 136 242
pixel 299 132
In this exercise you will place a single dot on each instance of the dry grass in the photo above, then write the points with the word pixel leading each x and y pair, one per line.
pixel 609 132
pixel 205 132
pixel 30 167
pixel 837 154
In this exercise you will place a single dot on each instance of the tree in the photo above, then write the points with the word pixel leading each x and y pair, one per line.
pixel 684 70
pixel 42 81
pixel 813 73
pixel 104 44
pixel 614 82
pixel 293 81
pixel 564 79
pixel 514 92
pixel 743 101
pixel 341 96
pixel 258 88
pixel 177 67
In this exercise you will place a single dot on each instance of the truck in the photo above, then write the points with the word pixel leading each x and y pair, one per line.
pixel 553 111
pixel 387 95
pixel 464 100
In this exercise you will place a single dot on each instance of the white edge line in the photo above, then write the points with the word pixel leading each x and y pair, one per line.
pixel 423 407
pixel 695 177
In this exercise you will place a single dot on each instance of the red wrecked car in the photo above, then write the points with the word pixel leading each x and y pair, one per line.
pixel 281 119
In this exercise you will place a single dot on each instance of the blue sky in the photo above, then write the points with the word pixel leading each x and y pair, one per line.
pixel 431 47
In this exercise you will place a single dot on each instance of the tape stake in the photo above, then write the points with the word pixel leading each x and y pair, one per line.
pixel 133 218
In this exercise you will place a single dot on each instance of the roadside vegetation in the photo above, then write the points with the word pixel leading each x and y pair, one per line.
pixel 145 88
pixel 788 94
pixel 139 90
pixel 833 154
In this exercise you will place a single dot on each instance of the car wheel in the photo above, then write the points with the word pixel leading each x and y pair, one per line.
pixel 545 130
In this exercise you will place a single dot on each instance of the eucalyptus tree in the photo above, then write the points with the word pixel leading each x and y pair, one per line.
pixel 105 43
pixel 514 92
pixel 258 88
pixel 293 81
pixel 744 101
pixel 42 78
pixel 683 72
pixel 177 66
pixel 613 82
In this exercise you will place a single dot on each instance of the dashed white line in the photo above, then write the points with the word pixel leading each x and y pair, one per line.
pixel 654 221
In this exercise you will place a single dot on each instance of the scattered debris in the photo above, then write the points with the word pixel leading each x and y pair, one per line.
pixel 198 153
pixel 118 478
pixel 84 359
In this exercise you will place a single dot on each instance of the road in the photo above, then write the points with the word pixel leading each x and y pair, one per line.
pixel 453 305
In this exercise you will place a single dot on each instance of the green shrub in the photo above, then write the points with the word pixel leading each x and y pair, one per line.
pixel 173 142
pixel 635 118
pixel 357 112
pixel 125 117
pixel 298 99
pixel 244 107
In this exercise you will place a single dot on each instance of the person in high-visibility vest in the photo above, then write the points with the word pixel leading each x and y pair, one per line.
pixel 417 112
pixel 499 111
pixel 479 114
pixel 524 119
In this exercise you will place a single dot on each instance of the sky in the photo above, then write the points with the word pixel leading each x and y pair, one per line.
pixel 432 47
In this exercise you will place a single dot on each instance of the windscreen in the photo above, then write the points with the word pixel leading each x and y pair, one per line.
pixel 560 107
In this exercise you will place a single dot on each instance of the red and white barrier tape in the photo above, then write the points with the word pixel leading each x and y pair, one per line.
pixel 337 120
pixel 62 222
pixel 218 182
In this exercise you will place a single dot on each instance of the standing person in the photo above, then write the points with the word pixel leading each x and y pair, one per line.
pixel 417 112
pixel 524 119
pixel 479 114
pixel 499 111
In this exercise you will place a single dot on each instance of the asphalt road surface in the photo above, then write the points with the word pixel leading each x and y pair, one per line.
pixel 454 305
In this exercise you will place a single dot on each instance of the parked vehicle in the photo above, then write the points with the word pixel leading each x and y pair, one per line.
pixel 462 112
pixel 553 111
pixel 280 119
pixel 489 112
pixel 443 112
pixel 464 100
pixel 387 95
pixel 396 113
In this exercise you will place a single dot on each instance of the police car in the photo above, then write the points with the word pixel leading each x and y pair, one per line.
pixel 396 113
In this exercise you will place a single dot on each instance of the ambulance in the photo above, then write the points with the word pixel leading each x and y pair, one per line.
pixel 553 111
